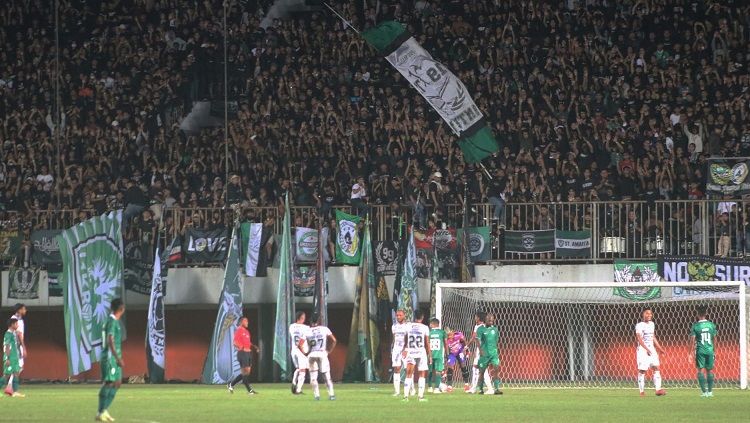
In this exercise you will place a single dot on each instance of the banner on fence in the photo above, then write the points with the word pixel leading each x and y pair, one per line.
pixel 23 283
pixel 304 279
pixel 138 266
pixel 530 241
pixel 386 253
pixel 44 249
pixel 479 242
pixel 347 238
pixel 207 246
pixel 10 243
pixel 573 243
pixel 306 245
pixel 637 271
pixel 725 177
pixel 699 268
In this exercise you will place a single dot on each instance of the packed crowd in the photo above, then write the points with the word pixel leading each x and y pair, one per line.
pixel 589 100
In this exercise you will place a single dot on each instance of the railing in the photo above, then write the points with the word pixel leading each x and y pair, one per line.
pixel 634 229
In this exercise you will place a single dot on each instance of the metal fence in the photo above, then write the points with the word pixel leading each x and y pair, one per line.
pixel 633 229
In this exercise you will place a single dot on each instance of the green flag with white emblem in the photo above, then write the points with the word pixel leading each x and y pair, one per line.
pixel 91 278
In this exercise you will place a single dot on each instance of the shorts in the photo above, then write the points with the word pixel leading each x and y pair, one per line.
pixel 245 358
pixel 300 360
pixel 704 361
pixel 111 372
pixel 454 359
pixel 489 359
pixel 13 368
pixel 438 364
pixel 397 359
pixel 420 360
pixel 319 363
pixel 646 361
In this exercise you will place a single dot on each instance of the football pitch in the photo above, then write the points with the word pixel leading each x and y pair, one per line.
pixel 370 403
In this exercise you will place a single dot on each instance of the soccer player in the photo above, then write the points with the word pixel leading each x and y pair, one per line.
pixel 397 347
pixel 438 347
pixel 647 355
pixel 479 318
pixel 456 357
pixel 417 354
pixel 19 312
pixel 489 338
pixel 299 332
pixel 111 360
pixel 321 342
pixel 704 337
pixel 243 343
pixel 11 366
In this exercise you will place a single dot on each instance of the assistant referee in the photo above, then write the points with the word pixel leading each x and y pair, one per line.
pixel 244 345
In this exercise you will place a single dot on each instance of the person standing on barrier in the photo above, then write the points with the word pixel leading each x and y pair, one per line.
pixel 722 231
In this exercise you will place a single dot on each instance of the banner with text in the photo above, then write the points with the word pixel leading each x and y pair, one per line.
pixel 44 249
pixel 10 243
pixel 699 268
pixel 530 241
pixel 386 253
pixel 573 243
pixel 206 246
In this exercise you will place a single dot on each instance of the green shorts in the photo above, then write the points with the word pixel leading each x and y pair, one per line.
pixel 111 372
pixel 13 368
pixel 704 361
pixel 490 359
pixel 438 364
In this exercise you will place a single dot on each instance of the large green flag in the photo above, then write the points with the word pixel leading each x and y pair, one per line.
pixel 284 297
pixel 629 271
pixel 438 85
pixel 408 296
pixel 347 238
pixel 221 364
pixel 92 257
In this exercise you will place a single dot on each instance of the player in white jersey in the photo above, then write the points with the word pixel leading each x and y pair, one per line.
pixel 417 354
pixel 479 318
pixel 299 332
pixel 321 342
pixel 19 314
pixel 397 347
pixel 648 351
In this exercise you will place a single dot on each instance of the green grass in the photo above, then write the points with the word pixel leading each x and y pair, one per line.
pixel 371 403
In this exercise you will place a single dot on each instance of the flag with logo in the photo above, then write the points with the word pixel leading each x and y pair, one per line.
pixel 284 297
pixel 438 85
pixel 44 249
pixel 138 266
pixel 572 243
pixel 10 243
pixel 637 271
pixel 347 238
pixel 155 324
pixel 385 254
pixel 206 246
pixel 407 300
pixel 92 256
pixel 542 241
pixel 478 242
pixel 221 364
pixel 728 177
pixel 306 245
pixel 23 283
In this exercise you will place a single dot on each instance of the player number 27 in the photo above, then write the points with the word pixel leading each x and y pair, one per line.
pixel 705 338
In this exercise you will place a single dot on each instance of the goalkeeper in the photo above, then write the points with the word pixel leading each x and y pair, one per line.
pixel 489 337
pixel 456 357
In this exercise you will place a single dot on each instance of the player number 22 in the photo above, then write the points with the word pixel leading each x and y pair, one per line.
pixel 415 341
pixel 705 338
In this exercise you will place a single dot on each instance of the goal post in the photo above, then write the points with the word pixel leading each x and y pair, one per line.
pixel 583 334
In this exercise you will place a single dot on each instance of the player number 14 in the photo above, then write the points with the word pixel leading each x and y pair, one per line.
pixel 705 338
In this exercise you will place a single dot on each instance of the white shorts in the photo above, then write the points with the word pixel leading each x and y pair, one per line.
pixel 397 359
pixel 646 361
pixel 420 359
pixel 300 360
pixel 319 363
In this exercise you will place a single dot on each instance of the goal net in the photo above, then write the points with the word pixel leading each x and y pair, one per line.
pixel 583 334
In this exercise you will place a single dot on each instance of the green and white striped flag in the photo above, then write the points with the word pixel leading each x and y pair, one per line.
pixel 438 85
pixel 92 257
pixel 284 298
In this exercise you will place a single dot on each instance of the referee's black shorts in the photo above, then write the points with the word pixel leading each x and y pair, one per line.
pixel 245 358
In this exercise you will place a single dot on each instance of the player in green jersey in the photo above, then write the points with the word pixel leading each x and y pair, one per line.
pixel 704 337
pixel 11 363
pixel 111 360
pixel 489 338
pixel 438 347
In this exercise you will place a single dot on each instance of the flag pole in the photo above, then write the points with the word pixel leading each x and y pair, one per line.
pixel 346 21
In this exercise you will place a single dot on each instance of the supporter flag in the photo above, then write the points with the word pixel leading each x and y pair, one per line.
pixel 320 294
pixel 400 253
pixel 347 238
pixel 435 278
pixel 361 355
pixel 251 235
pixel 438 85
pixel 572 243
pixel 407 300
pixel 92 256
pixel 629 271
pixel 221 363
pixel 23 283
pixel 174 251
pixel 284 297
pixel 306 245
pixel 155 334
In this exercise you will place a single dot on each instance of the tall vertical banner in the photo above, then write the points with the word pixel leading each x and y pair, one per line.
pixel 407 299
pixel 397 283
pixel 320 293
pixel 284 298
pixel 92 256
pixel 627 271
pixel 251 235
pixel 434 279
pixel 221 364
pixel 347 238
pixel 155 325
pixel 438 85
pixel 467 270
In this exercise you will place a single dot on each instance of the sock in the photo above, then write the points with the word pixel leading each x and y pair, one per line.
pixel 314 383
pixel 657 380
pixel 102 398
pixel 112 391
pixel 641 381
pixel 481 382
pixel 407 386
pixel 474 377
pixel 300 381
pixel 397 382
pixel 496 383
pixel 702 380
pixel 465 373
pixel 329 384
pixel 487 378
pixel 246 381
pixel 710 381
pixel 294 376
pixel 420 387
pixel 236 380
pixel 16 383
